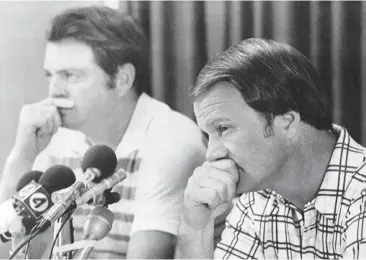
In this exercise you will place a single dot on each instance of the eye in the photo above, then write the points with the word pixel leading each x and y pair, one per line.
pixel 48 75
pixel 222 129
pixel 70 77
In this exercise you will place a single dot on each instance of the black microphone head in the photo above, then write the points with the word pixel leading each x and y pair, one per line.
pixel 56 178
pixel 111 197
pixel 102 158
pixel 27 178
pixel 98 223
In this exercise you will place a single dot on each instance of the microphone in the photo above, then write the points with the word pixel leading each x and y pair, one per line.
pixel 98 224
pixel 100 188
pixel 98 162
pixel 10 222
pixel 27 178
pixel 99 158
pixel 55 178
pixel 32 200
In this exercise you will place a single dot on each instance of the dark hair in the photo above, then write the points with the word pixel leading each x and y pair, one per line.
pixel 273 79
pixel 115 38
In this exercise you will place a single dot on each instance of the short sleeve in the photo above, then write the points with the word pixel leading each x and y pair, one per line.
pixel 174 150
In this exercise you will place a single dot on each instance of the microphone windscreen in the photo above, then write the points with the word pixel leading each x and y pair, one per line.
pixel 102 158
pixel 56 178
pixel 98 223
pixel 27 178
pixel 111 197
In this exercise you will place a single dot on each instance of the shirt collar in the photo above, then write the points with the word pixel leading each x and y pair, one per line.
pixel 139 122
pixel 346 158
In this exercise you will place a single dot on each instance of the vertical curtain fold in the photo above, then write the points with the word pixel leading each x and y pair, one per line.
pixel 363 74
pixel 351 87
pixel 335 62
pixel 184 35
pixel 161 62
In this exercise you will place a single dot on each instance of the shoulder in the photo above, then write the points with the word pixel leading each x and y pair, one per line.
pixel 353 202
pixel 356 187
pixel 355 192
pixel 169 127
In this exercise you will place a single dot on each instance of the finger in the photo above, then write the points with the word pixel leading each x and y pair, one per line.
pixel 230 184
pixel 202 173
pixel 56 119
pixel 224 164
pixel 62 102
pixel 205 174
pixel 47 122
pixel 221 188
pixel 199 196
pixel 227 165
pixel 52 120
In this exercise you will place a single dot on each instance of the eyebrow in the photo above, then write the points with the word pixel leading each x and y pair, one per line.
pixel 212 123
pixel 218 120
pixel 63 70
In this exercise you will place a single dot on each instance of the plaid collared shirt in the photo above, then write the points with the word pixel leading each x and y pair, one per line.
pixel 333 225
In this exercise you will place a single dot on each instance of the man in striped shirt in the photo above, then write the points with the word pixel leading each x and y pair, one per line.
pixel 96 62
pixel 302 179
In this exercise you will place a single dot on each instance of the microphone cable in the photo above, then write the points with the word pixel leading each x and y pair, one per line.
pixel 31 236
pixel 28 244
pixel 68 214
pixel 34 232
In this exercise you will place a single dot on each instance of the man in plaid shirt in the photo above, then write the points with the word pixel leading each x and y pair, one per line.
pixel 302 179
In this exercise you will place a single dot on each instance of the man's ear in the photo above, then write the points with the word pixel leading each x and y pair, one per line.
pixel 125 77
pixel 287 124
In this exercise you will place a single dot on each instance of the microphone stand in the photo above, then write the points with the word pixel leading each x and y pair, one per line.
pixel 97 226
pixel 66 235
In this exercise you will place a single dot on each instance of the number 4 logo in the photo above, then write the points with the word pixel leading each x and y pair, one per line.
pixel 38 202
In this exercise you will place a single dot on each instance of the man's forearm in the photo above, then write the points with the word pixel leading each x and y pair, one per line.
pixel 16 165
pixel 151 244
pixel 193 243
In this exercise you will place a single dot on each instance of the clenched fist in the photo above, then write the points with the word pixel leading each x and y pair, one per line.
pixel 38 122
pixel 209 192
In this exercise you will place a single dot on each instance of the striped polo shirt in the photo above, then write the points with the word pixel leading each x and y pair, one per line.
pixel 150 197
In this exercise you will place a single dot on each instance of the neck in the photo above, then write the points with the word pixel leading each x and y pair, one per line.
pixel 302 175
pixel 110 130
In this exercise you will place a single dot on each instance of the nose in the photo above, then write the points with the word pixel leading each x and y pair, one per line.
pixel 216 150
pixel 57 88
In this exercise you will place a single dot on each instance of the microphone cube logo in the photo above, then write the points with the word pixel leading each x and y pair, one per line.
pixel 38 202
pixel 27 190
pixel 34 198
